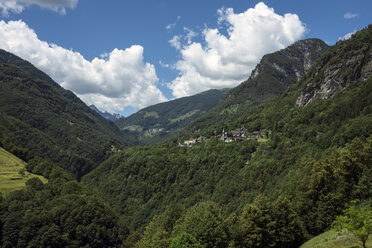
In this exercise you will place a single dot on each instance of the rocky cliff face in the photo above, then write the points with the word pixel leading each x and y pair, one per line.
pixel 345 64
pixel 293 61
pixel 271 77
pixel 276 72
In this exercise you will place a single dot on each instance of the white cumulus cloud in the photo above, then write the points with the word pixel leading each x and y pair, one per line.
pixel 17 6
pixel 222 61
pixel 115 80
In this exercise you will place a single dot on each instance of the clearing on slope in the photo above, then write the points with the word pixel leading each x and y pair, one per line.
pixel 13 174
pixel 333 239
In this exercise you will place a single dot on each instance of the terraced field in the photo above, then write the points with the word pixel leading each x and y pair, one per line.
pixel 13 174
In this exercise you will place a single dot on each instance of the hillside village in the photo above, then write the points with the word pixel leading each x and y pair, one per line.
pixel 238 134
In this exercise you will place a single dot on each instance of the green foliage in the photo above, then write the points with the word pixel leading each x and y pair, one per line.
pixel 254 226
pixel 288 230
pixel 339 178
pixel 202 226
pixel 151 114
pixel 158 232
pixel 185 240
pixel 265 224
pixel 22 172
pixel 261 224
pixel 357 220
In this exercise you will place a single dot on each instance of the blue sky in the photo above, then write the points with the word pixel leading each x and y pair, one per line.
pixel 148 51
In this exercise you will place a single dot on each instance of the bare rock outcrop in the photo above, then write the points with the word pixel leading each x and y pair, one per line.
pixel 334 73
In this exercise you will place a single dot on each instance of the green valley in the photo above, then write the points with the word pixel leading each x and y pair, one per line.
pixel 275 193
pixel 273 163
pixel 159 122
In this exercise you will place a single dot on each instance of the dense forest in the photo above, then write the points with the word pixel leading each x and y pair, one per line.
pixel 277 191
pixel 61 213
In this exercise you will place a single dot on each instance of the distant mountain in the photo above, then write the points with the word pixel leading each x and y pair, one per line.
pixel 40 118
pixel 271 77
pixel 154 122
pixel 106 115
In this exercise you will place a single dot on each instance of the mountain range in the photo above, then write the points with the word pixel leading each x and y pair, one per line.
pixel 272 76
pixel 273 161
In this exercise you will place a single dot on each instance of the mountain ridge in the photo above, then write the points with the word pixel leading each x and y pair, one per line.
pixel 271 77
pixel 40 118
pixel 159 121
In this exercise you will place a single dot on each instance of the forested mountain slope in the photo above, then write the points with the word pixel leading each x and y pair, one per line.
pixel 271 77
pixel 276 192
pixel 40 118
pixel 60 213
pixel 155 122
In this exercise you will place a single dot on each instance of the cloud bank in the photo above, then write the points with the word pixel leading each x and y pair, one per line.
pixel 118 79
pixel 221 61
pixel 17 6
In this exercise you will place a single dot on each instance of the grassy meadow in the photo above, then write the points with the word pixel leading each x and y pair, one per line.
pixel 13 174
pixel 333 239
